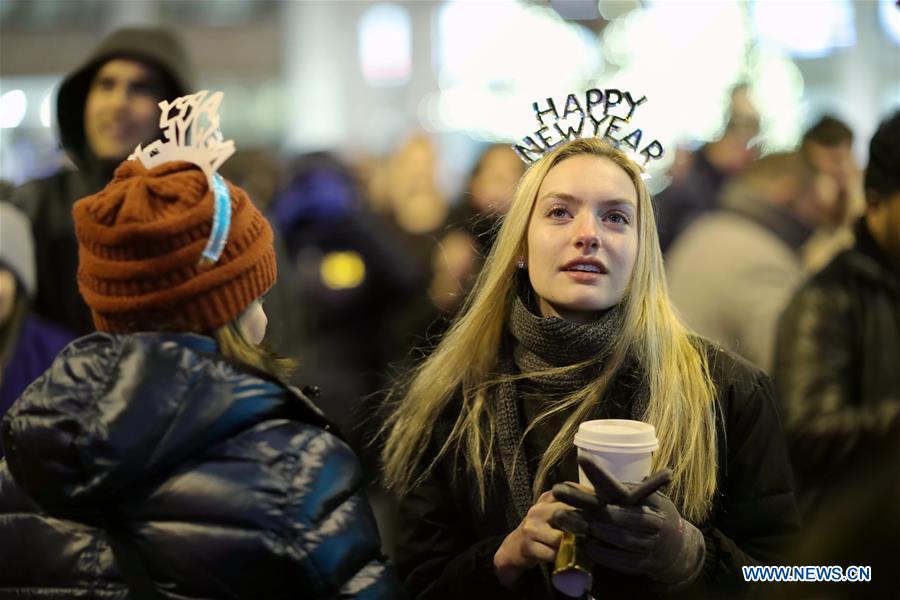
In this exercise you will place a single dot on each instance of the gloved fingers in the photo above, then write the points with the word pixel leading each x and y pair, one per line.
pixel 571 521
pixel 640 519
pixel 573 496
pixel 606 486
pixel 659 502
pixel 623 561
pixel 623 539
pixel 637 494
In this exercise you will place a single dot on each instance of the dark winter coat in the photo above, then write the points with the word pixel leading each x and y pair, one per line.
pixel 837 369
pixel 153 450
pixel 447 544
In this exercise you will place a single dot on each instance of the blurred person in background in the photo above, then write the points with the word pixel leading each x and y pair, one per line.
pixel 732 272
pixel 828 146
pixel 570 321
pixel 416 202
pixel 473 226
pixel 837 367
pixel 104 109
pixel 28 344
pixel 259 171
pixel 405 190
pixel 350 276
pixel 699 180
pixel 165 456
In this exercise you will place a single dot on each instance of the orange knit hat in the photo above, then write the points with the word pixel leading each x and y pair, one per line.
pixel 139 245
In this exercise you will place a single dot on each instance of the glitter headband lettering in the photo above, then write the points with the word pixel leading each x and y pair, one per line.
pixel 606 114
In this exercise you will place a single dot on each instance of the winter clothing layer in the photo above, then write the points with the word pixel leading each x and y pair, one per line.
pixel 733 271
pixel 140 243
pixel 836 368
pixel 37 344
pixel 542 344
pixel 152 450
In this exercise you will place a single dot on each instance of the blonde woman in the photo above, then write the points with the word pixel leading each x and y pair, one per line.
pixel 569 321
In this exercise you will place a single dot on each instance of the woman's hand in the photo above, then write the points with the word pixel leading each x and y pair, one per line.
pixel 534 541
pixel 634 529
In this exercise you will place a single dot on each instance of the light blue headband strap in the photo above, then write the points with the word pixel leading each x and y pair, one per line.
pixel 221 222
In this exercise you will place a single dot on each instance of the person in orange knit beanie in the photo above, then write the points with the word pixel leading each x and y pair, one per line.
pixel 173 458
pixel 140 241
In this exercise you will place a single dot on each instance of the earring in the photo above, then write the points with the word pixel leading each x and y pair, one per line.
pixel 520 263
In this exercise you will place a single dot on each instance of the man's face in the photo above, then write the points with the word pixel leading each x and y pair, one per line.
pixel 836 161
pixel 122 108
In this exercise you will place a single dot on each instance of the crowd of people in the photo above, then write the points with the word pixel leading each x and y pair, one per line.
pixel 373 392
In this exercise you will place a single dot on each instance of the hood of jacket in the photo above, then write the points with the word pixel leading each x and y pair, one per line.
pixel 115 411
pixel 156 47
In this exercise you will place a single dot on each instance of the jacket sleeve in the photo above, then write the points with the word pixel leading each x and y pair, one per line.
pixel 436 555
pixel 815 380
pixel 756 516
pixel 335 537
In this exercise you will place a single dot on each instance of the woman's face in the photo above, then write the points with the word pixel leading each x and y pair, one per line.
pixel 252 323
pixel 582 238
pixel 493 187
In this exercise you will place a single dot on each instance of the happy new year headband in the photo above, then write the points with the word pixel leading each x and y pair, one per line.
pixel 598 108
pixel 191 133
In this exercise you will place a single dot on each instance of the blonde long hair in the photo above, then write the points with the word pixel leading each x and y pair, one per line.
pixel 463 365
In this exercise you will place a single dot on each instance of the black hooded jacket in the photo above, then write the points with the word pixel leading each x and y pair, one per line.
pixel 48 202
pixel 152 450
pixel 837 372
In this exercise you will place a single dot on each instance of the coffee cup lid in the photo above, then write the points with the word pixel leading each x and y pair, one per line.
pixel 617 435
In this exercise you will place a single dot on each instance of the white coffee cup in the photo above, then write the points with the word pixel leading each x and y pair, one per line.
pixel 625 448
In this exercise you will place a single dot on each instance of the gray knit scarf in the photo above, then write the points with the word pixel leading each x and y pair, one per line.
pixel 536 344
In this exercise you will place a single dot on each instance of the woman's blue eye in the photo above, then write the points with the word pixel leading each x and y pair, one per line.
pixel 618 219
pixel 558 212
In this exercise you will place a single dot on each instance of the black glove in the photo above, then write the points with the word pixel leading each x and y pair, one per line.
pixel 632 528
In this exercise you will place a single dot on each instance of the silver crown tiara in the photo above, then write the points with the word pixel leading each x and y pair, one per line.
pixel 555 128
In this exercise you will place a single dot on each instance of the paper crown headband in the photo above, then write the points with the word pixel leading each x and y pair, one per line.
pixel 594 116
pixel 191 133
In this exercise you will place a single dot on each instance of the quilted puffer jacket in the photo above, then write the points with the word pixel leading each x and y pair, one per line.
pixel 148 466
